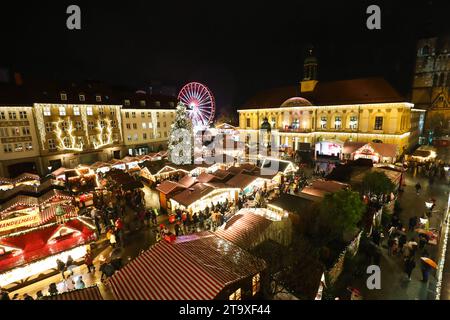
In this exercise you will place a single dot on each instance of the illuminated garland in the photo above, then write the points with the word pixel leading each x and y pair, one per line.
pixel 83 113
pixel 443 253
pixel 61 144
pixel 119 121
pixel 100 134
pixel 40 123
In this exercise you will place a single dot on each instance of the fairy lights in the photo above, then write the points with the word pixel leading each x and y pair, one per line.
pixel 61 143
pixel 101 130
pixel 441 264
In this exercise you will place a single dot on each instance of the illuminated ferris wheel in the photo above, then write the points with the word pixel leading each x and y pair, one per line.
pixel 199 102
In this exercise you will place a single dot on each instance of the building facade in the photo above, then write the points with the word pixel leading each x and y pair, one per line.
pixel 431 84
pixel 146 122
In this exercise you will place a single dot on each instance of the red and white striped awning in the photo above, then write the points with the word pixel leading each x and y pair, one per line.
pixel 91 293
pixel 195 267
pixel 55 195
pixel 19 201
pixel 50 213
pixel 244 229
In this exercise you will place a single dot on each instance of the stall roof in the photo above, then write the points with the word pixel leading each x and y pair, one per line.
pixel 187 181
pixel 27 201
pixel 329 185
pixel 153 166
pixel 168 187
pixel 392 174
pixel 126 181
pixel 59 171
pixel 91 293
pixel 387 150
pixel 54 194
pixel 244 230
pixel 192 194
pixel 241 180
pixel 222 174
pixel 26 177
pixel 206 177
pixel 194 267
pixel 292 203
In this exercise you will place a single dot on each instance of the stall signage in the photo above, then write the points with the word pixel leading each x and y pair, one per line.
pixel 18 222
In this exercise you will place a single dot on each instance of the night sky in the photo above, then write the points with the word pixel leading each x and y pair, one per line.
pixel 236 48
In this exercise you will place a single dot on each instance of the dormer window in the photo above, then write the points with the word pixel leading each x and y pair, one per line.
pixel 81 97
pixel 142 103
pixel 98 98
pixel 157 104
pixel 127 102
pixel 63 97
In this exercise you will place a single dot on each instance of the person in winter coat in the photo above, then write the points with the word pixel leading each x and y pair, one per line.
pixel 112 240
pixel 52 289
pixel 89 261
pixel 425 268
pixel 410 264
pixel 61 267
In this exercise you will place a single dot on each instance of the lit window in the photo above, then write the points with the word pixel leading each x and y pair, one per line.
pixel 353 122
pixel 150 125
pixel 127 115
pixel 76 111
pixel 98 98
pixel 62 111
pixel 47 111
pixel 81 97
pixel 158 135
pixel 2 115
pixel 337 122
pixel 133 114
pixel 51 144
pixel 144 136
pixel 15 132
pixel 256 284
pixel 91 125
pixel 66 141
pixel 12 115
pixel 23 115
pixel 236 295
pixel 102 124
pixel 80 141
pixel 127 102
pixel 151 135
pixel 28 146
pixel 144 125
pixel 18 147
pixel 101 111
pixel 63 96
pixel 323 122
pixel 26 131
pixel 7 148
pixel 142 103
pixel 378 123
pixel 157 104
pixel 89 111
pixel 135 137
pixel 78 125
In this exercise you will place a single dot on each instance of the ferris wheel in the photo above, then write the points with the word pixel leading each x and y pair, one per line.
pixel 199 102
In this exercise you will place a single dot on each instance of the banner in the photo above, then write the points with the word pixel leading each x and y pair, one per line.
pixel 18 222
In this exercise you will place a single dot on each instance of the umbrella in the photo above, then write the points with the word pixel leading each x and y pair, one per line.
pixel 430 262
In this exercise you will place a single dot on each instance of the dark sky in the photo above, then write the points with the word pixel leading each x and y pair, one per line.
pixel 236 48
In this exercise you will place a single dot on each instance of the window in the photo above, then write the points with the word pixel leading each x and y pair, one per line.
pixel 248 123
pixel 353 124
pixel 378 123
pixel 157 114
pixel 102 124
pixel 134 126
pixel 236 295
pixel 26 131
pixel 151 135
pixel 149 114
pixel 127 115
pixel 150 125
pixel 157 125
pixel 157 104
pixel 101 111
pixel 112 112
pixel 256 284
pixel 323 122
pixel 113 124
pixel 142 114
pixel 63 97
pixel 76 111
pixel 64 126
pixel 81 97
pixel 78 125
pixel 91 125
pixel 80 141
pixel 98 98
pixel 144 125
pixel 18 147
pixel 4 132
pixel 7 148
pixel 89 111
pixel 15 132
pixel 28 146
pixel 171 104
pixel 51 144
pixel 135 137
pixel 23 115
pixel 337 122
pixel 142 103
pixel 144 136
pixel 165 134
pixel 62 111
pixel 66 141
pixel 2 115
pixel 164 124
pixel 127 102
pixel 12 115
pixel 48 126
pixel 105 137
pixel 129 126
pixel 133 114
pixel 47 112
pixel 129 137
pixel 115 137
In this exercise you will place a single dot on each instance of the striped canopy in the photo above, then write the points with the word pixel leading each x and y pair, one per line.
pixel 91 293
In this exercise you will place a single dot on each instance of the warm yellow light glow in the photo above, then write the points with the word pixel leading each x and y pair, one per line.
pixel 59 135
pixel 100 129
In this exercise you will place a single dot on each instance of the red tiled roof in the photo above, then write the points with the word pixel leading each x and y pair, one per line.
pixel 167 187
pixel 194 193
pixel 187 181
pixel 241 180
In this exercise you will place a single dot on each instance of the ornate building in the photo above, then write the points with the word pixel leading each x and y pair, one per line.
pixel 431 85
pixel 326 115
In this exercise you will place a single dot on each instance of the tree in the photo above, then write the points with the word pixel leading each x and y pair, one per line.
pixel 180 144
pixel 377 184
pixel 339 215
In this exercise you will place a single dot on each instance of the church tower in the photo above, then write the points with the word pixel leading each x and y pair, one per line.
pixel 310 66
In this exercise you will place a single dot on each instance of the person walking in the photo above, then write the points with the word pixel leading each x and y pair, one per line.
pixel 425 268
pixel 410 264
pixel 112 240
pixel 61 267
pixel 89 261
pixel 418 187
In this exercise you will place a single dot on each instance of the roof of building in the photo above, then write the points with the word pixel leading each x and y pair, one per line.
pixel 291 203
pixel 194 267
pixel 241 180
pixel 187 181
pixel 192 194
pixel 296 102
pixel 384 149
pixel 168 186
pixel 91 293
pixel 353 91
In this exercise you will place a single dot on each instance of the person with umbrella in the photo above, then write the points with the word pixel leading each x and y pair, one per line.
pixel 427 264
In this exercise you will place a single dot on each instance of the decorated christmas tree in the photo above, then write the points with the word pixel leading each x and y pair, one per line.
pixel 180 139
